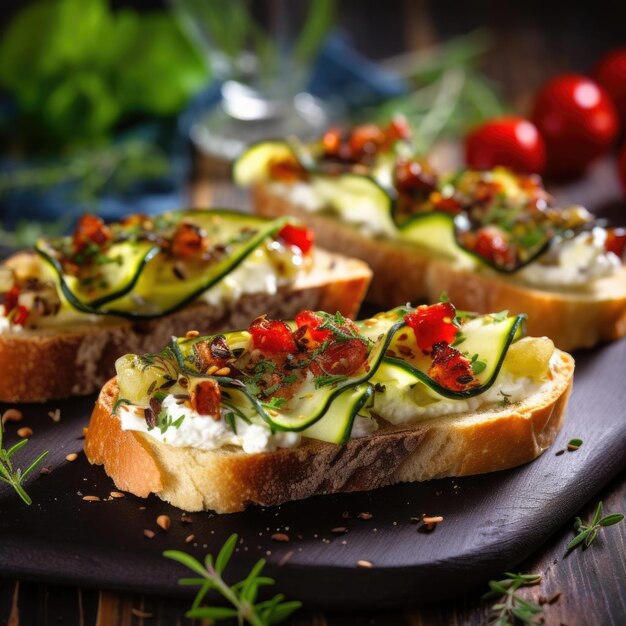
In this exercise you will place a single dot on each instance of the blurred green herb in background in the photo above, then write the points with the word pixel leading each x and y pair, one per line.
pixel 451 93
pixel 79 70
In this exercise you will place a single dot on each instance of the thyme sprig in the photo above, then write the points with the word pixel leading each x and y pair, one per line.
pixel 14 476
pixel 242 595
pixel 510 606
pixel 587 533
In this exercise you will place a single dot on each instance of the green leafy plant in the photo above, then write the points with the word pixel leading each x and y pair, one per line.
pixel 587 534
pixel 14 476
pixel 511 607
pixel 242 595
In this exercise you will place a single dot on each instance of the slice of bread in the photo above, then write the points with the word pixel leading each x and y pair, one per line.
pixel 52 363
pixel 403 273
pixel 227 480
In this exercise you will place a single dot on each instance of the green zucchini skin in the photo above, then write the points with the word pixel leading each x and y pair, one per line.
pixel 389 208
pixel 120 302
pixel 330 414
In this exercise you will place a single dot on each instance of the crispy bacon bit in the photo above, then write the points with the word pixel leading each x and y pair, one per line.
pixel 205 399
pixel 450 368
pixel 432 324
pixel 91 230
pixel 271 336
pixel 189 241
pixel 343 358
pixel 616 241
pixel 299 236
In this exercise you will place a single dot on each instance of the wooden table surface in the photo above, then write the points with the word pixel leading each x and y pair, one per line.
pixel 585 588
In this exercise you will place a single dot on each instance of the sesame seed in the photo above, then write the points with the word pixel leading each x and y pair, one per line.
pixel 436 519
pixel 72 456
pixel 24 432
pixel 223 371
pixel 282 537
pixel 189 538
pixel 91 498
pixel 192 334
pixel 149 534
pixel 117 494
pixel 364 563
pixel 212 370
pixel 164 522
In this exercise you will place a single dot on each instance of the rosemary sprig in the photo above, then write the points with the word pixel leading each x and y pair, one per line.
pixel 242 595
pixel 587 534
pixel 512 608
pixel 15 476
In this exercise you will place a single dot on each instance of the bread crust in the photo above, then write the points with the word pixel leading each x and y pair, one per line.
pixel 60 362
pixel 227 480
pixel 402 273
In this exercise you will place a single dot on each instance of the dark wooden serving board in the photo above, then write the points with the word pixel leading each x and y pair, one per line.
pixel 491 522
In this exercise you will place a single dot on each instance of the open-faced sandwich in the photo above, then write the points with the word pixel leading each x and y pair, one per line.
pixel 491 239
pixel 69 309
pixel 286 410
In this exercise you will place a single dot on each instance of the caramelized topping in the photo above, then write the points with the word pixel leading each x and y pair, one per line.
pixel 205 398
pixel 450 368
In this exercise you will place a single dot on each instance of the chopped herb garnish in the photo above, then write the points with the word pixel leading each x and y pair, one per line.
pixel 587 534
pixel 459 338
pixel 574 444
pixel 499 317
pixel 15 476
pixel 510 605
pixel 242 595
pixel 329 379
pixel 477 366
pixel 340 327
pixel 118 403
pixel 443 297
pixel 505 398
pixel 164 421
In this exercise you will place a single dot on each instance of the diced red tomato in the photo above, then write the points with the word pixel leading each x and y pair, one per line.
pixel 271 336
pixel 414 175
pixel 450 368
pixel 205 398
pixel 286 170
pixel 491 245
pixel 343 358
pixel 312 320
pixel 366 139
pixel 10 299
pixel 91 230
pixel 616 241
pixel 432 324
pixel 189 241
pixel 299 236
pixel 398 128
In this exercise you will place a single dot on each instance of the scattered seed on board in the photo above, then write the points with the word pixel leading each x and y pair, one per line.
pixel 55 415
pixel 24 432
pixel 12 415
pixel 72 456
pixel 280 537
pixel 164 522
pixel 365 515
pixel 91 498
pixel 117 494
pixel 363 563
pixel 339 530
pixel 189 538
pixel 150 534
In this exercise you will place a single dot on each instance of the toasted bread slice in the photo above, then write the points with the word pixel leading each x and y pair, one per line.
pixel 227 480
pixel 402 273
pixel 57 362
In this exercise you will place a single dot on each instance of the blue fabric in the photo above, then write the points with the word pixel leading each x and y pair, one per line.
pixel 339 72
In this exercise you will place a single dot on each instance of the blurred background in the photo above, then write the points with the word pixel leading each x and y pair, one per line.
pixel 116 106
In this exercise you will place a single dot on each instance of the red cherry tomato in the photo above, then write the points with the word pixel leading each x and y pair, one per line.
pixel 509 141
pixel 491 245
pixel 432 324
pixel 616 241
pixel 90 230
pixel 577 120
pixel 298 236
pixel 271 336
pixel 610 73
pixel 312 321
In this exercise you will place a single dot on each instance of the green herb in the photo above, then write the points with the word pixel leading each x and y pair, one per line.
pixel 505 398
pixel 242 595
pixel 499 317
pixel 477 366
pixel 14 476
pixel 274 403
pixel 574 444
pixel 510 606
pixel 459 338
pixel 328 379
pixel 340 327
pixel 443 297
pixel 118 403
pixel 587 534
pixel 164 421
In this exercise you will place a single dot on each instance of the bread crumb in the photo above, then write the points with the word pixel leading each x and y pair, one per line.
pixel 164 522
pixel 339 530
pixel 12 415
pixel 189 538
pixel 24 432
pixel 55 415
pixel 150 534
pixel 72 456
